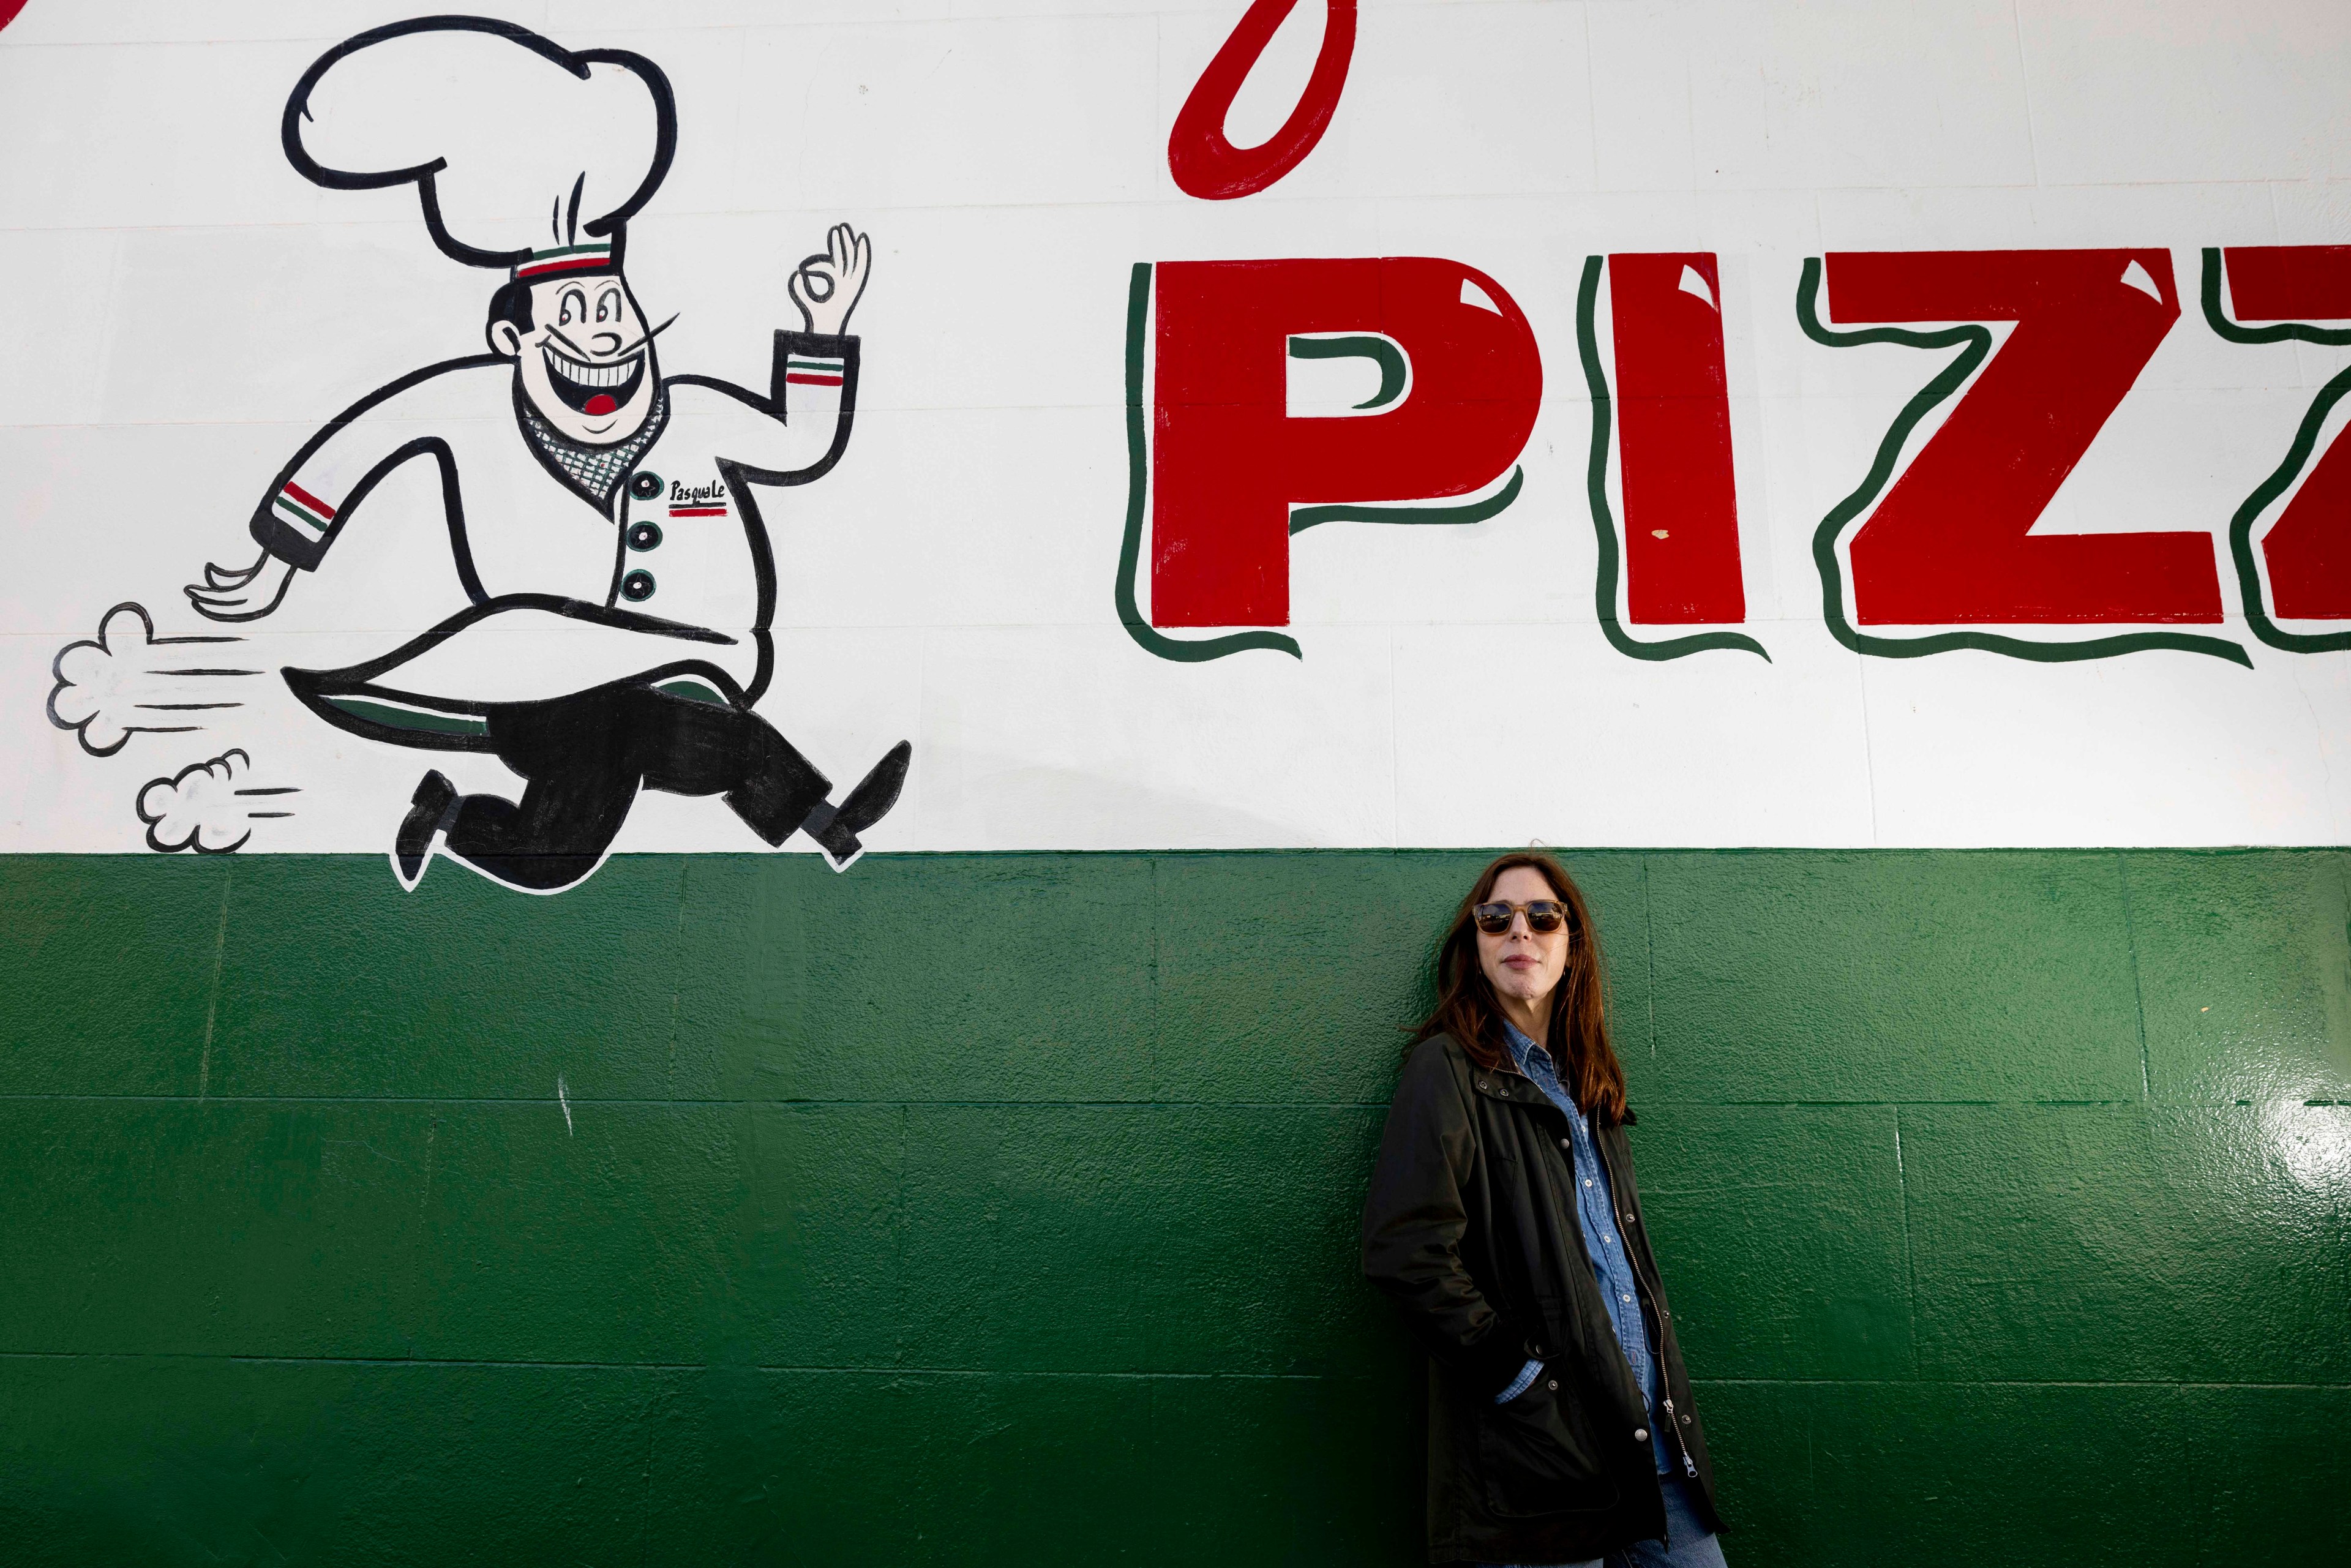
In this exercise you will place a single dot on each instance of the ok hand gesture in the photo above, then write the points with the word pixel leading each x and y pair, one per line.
pixel 826 286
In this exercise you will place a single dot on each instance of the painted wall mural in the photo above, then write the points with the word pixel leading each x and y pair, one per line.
pixel 575 663
pixel 1213 494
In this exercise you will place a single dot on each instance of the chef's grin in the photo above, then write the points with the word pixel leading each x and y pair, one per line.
pixel 592 388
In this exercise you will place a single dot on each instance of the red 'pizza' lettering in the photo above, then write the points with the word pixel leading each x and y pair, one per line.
pixel 1228 461
pixel 1681 506
pixel 1950 542
pixel 2308 548
pixel 1206 165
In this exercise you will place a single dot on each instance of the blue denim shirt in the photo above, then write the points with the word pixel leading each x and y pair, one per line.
pixel 1595 1212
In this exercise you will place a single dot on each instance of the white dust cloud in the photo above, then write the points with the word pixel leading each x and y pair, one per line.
pixel 201 807
pixel 127 681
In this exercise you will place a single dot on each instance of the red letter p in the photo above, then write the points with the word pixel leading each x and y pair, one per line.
pixel 1230 460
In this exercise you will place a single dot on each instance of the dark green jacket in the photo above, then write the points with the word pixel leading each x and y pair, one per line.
pixel 1471 1227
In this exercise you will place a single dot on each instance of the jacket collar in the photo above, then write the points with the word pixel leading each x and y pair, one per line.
pixel 1507 1084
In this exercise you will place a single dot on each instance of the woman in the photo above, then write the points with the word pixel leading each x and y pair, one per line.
pixel 1503 1220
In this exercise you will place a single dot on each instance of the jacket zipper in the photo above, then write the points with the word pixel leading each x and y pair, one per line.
pixel 1688 1465
pixel 1673 1419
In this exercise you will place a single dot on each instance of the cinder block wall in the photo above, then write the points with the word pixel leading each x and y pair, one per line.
pixel 1000 1209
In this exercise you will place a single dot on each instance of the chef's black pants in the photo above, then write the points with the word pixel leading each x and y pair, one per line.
pixel 584 758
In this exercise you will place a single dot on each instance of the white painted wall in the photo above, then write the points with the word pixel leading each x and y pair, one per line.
pixel 184 309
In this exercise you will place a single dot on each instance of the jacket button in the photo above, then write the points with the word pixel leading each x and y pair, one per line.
pixel 1565 1144
pixel 1684 1419
pixel 645 485
pixel 1481 1083
pixel 645 536
pixel 1640 1434
pixel 1553 1384
pixel 637 587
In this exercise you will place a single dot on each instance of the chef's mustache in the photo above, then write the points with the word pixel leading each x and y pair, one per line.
pixel 577 353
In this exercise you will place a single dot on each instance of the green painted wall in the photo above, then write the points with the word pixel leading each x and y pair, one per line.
pixel 1001 1208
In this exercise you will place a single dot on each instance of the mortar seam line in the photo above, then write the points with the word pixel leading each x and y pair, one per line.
pixel 1395 748
pixel 677 982
pixel 1909 1253
pixel 1158 1014
pixel 433 1364
pixel 1650 952
pixel 2024 86
pixel 2138 986
pixel 898 1283
pixel 629 1102
pixel 212 1003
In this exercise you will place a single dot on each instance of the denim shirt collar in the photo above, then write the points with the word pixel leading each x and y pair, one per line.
pixel 1524 1050
pixel 1535 1062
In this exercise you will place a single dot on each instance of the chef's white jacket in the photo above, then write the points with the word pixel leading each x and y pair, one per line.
pixel 682 544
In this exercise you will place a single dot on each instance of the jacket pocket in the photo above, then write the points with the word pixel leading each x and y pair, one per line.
pixel 1537 1456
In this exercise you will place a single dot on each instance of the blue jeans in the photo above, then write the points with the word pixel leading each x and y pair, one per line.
pixel 1686 1544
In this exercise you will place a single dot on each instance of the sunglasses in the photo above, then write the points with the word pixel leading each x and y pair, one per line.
pixel 1543 914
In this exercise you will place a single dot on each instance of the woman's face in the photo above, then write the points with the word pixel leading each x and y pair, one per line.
pixel 1523 963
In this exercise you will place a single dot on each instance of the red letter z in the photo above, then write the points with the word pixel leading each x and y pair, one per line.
pixel 1952 542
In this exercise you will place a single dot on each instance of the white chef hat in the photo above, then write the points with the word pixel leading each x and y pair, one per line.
pixel 524 154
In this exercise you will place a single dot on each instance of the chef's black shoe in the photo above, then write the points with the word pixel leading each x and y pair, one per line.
pixel 878 790
pixel 865 805
pixel 840 849
pixel 428 814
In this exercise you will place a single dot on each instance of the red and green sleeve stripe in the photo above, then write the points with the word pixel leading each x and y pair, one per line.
pixel 808 370
pixel 304 510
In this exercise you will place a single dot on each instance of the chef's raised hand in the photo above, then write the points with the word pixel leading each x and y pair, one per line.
pixel 826 286
pixel 241 593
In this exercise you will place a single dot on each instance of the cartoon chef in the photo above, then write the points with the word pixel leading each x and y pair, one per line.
pixel 604 517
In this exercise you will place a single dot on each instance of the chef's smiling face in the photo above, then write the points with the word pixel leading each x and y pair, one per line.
pixel 586 362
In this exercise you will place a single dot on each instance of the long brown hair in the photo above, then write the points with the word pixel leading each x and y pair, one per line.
pixel 1467 1010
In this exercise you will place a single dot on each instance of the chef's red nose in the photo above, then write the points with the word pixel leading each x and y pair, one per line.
pixel 600 404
